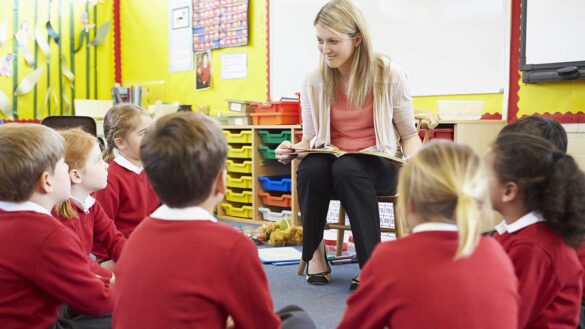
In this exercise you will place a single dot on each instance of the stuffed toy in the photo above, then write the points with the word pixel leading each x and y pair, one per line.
pixel 281 233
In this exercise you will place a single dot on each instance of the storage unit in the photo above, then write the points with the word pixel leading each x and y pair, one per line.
pixel 284 200
pixel 238 211
pixel 244 182
pixel 239 167
pixel 238 137
pixel 239 197
pixel 274 137
pixel 274 216
pixel 267 152
pixel 275 118
pixel 244 152
pixel 276 183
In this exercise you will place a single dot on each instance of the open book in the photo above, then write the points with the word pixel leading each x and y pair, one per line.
pixel 299 150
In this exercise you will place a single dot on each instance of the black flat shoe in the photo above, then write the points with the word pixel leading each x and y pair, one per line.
pixel 319 278
pixel 355 283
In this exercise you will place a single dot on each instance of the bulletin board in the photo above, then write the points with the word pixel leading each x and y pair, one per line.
pixel 446 47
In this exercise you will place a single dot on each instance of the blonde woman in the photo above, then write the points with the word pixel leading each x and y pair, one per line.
pixel 443 275
pixel 355 100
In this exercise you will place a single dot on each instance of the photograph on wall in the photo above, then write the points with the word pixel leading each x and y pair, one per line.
pixel 219 24
pixel 203 70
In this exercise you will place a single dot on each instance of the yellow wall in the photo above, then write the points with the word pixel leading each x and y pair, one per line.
pixel 145 58
pixel 25 103
pixel 552 97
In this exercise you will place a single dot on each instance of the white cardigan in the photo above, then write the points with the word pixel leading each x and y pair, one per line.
pixel 392 108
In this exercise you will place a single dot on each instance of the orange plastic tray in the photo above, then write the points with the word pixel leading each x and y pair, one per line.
pixel 275 118
pixel 284 200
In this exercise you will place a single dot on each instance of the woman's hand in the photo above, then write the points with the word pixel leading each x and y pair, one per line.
pixel 285 153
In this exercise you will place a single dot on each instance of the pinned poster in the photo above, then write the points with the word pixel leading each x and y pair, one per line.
pixel 234 66
pixel 28 82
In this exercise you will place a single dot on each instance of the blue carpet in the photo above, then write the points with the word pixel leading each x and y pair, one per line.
pixel 325 304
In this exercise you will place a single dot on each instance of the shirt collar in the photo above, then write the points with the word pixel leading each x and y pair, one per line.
pixel 165 212
pixel 434 226
pixel 84 205
pixel 23 206
pixel 122 161
pixel 522 222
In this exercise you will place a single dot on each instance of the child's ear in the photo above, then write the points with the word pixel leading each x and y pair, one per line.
pixel 511 192
pixel 75 176
pixel 220 183
pixel 120 143
pixel 44 183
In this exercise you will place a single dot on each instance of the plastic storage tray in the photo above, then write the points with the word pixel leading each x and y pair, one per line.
pixel 244 152
pixel 275 118
pixel 276 183
pixel 242 197
pixel 244 167
pixel 242 137
pixel 267 152
pixel 274 137
pixel 284 200
pixel 274 216
pixel 242 182
pixel 239 106
pixel 242 212
pixel 280 107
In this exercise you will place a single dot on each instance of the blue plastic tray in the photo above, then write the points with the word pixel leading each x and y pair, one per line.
pixel 276 183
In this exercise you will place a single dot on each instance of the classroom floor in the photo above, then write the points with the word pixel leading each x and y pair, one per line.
pixel 325 304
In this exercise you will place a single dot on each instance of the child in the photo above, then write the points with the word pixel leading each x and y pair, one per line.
pixel 88 174
pixel 541 127
pixel 540 192
pixel 199 272
pixel 41 261
pixel 443 275
pixel 128 197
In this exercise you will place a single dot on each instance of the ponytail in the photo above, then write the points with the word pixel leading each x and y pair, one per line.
pixel 467 214
pixel 65 209
pixel 108 154
pixel 563 200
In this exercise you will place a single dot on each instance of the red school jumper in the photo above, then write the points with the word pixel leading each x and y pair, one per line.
pixel 42 266
pixel 198 273
pixel 92 224
pixel 127 199
pixel 548 271
pixel 414 283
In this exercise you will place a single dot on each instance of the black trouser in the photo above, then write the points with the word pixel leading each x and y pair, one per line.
pixel 69 319
pixel 355 180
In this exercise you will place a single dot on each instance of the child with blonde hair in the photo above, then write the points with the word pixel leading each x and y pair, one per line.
pixel 128 197
pixel 540 192
pixel 88 173
pixel 42 264
pixel 442 275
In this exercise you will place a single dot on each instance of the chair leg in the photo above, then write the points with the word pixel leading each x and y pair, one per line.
pixel 301 269
pixel 340 232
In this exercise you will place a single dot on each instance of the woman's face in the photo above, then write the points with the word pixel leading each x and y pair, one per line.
pixel 337 48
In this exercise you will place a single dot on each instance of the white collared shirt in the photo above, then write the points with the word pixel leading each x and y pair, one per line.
pixel 84 205
pixel 435 226
pixel 125 163
pixel 165 212
pixel 530 218
pixel 24 206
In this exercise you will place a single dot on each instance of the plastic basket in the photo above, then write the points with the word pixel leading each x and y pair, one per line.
pixel 242 197
pixel 274 216
pixel 242 212
pixel 244 167
pixel 284 200
pixel 267 152
pixel 243 137
pixel 242 182
pixel 275 118
pixel 280 107
pixel 276 183
pixel 244 152
pixel 274 137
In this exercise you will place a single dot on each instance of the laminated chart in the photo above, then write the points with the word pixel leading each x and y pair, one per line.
pixel 219 24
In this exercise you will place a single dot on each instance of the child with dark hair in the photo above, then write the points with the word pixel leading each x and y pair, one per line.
pixel 540 192
pixel 542 127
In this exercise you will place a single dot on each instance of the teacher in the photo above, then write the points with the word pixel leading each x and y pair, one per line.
pixel 356 100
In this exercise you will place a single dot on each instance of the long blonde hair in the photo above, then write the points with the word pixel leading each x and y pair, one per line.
pixel 447 181
pixel 78 146
pixel 120 120
pixel 342 16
